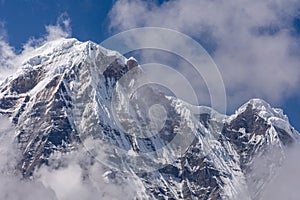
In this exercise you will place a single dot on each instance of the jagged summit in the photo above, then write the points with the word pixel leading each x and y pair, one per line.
pixel 63 94
pixel 56 58
pixel 262 106
pixel 272 116
pixel 61 52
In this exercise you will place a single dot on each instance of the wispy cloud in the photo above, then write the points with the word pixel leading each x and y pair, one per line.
pixel 7 54
pixel 10 61
pixel 250 41
pixel 284 184
pixel 62 29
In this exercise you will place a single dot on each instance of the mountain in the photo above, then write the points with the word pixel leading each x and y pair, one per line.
pixel 69 94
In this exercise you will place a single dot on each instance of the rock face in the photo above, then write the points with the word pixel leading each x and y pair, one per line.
pixel 63 95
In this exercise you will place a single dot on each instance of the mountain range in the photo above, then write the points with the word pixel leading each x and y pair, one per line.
pixel 68 95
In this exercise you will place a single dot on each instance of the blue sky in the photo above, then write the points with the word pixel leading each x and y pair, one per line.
pixel 271 34
pixel 27 18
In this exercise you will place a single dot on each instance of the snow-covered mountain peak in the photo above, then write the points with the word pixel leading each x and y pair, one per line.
pixel 259 104
pixel 255 104
pixel 263 109
pixel 39 66
pixel 260 110
pixel 64 91
pixel 62 52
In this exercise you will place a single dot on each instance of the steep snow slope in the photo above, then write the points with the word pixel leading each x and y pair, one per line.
pixel 68 94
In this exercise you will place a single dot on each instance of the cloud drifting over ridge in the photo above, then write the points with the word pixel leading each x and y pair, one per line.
pixel 7 54
pixel 68 176
pixel 10 61
pixel 11 185
pixel 285 184
pixel 251 42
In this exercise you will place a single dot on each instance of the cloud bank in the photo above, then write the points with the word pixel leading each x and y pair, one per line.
pixel 252 42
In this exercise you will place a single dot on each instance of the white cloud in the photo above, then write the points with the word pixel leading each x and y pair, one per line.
pixel 77 179
pixel 10 61
pixel 12 187
pixel 68 176
pixel 7 54
pixel 8 154
pixel 285 183
pixel 62 29
pixel 66 182
pixel 279 171
pixel 250 41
